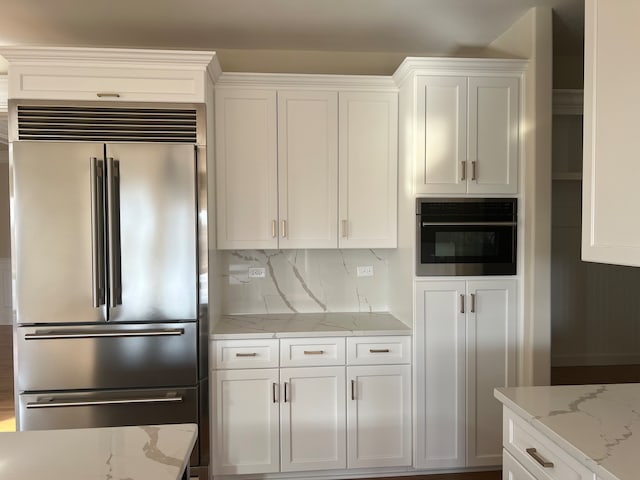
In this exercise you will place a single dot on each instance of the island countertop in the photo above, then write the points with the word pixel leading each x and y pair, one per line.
pixel 308 324
pixel 153 452
pixel 598 425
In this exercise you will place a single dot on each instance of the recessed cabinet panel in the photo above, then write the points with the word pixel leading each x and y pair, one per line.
pixel 246 168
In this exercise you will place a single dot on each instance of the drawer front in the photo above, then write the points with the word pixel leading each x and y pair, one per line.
pixel 108 84
pixel 307 352
pixel 245 354
pixel 538 454
pixel 378 350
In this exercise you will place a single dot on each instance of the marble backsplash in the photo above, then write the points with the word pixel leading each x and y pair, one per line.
pixel 301 281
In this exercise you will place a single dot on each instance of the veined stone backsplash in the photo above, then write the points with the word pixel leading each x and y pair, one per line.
pixel 303 281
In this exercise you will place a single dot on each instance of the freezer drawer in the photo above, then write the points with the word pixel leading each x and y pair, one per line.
pixel 106 356
pixel 47 411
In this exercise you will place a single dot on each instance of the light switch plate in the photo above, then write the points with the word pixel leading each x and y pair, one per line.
pixel 365 271
pixel 257 272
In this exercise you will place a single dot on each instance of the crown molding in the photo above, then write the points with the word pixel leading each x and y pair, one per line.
pixel 113 57
pixel 307 81
pixel 458 66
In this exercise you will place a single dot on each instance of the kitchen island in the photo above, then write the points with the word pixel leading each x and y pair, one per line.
pixel 152 452
pixel 577 431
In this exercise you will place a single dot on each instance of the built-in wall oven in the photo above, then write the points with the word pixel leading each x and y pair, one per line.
pixel 466 236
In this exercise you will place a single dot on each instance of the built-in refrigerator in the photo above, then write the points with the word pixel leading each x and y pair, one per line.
pixel 109 287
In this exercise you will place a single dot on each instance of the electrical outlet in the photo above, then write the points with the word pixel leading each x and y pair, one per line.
pixel 256 272
pixel 366 271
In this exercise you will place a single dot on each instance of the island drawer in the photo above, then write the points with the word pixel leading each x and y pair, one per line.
pixel 380 350
pixel 256 353
pixel 538 454
pixel 308 352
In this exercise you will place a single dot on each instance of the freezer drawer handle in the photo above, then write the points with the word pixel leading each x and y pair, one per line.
pixel 49 402
pixel 105 333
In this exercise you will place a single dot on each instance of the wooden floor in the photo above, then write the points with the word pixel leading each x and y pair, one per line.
pixel 7 419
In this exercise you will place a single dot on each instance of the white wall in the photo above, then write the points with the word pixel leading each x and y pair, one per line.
pixel 531 37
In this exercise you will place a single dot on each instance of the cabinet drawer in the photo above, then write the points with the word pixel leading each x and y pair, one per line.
pixel 532 449
pixel 304 352
pixel 108 84
pixel 378 350
pixel 245 354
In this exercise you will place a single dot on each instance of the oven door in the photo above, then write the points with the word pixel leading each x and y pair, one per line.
pixel 465 249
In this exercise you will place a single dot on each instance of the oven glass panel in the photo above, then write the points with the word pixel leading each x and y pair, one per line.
pixel 467 244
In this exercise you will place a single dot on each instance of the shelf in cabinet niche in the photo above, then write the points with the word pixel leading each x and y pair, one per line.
pixel 567 176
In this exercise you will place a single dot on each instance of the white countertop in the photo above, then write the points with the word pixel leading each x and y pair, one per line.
pixel 599 425
pixel 155 452
pixel 308 324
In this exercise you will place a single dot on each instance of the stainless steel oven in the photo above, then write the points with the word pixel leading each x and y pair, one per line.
pixel 466 236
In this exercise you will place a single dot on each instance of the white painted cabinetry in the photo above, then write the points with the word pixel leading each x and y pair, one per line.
pixel 318 411
pixel 302 168
pixel 467 135
pixel 610 195
pixel 465 347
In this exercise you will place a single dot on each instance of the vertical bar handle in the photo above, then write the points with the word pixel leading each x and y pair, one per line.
pixel 461 303
pixel 273 228
pixel 473 303
pixel 343 228
pixel 464 170
pixel 286 397
pixel 275 389
pixel 474 170
pixel 115 276
pixel 353 389
pixel 283 228
pixel 97 220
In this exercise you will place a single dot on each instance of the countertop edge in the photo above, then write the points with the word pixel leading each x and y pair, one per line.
pixel 337 333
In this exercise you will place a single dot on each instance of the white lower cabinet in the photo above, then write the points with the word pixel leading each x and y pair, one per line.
pixel 330 413
pixel 465 347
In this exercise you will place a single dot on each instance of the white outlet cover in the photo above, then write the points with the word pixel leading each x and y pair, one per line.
pixel 257 272
pixel 365 271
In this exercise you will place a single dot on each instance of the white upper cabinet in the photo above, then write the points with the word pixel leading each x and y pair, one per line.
pixel 246 169
pixel 467 135
pixel 107 74
pixel 610 224
pixel 368 140
pixel 307 169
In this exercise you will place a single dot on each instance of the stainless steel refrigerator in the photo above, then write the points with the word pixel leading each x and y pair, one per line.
pixel 108 285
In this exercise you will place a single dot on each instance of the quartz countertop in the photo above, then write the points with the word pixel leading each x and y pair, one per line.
pixel 154 452
pixel 308 324
pixel 598 425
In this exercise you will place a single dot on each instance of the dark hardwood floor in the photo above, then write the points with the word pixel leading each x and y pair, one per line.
pixel 7 419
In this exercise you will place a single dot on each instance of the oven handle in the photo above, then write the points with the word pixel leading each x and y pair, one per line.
pixel 464 224
pixel 51 402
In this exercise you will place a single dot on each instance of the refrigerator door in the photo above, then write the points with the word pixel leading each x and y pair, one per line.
pixel 106 356
pixel 152 238
pixel 55 203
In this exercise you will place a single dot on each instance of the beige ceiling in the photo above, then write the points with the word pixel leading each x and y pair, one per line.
pixel 424 27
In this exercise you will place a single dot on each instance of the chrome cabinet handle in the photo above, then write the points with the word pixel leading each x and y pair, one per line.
pixel 97 220
pixel 353 389
pixel 474 170
pixel 461 303
pixel 283 228
pixel 115 276
pixel 538 458
pixel 473 303
pixel 252 354
pixel 314 352
pixel 273 229
pixel 464 170
pixel 378 350
pixel 51 335
pixel 108 94
pixel 343 228
pixel 50 402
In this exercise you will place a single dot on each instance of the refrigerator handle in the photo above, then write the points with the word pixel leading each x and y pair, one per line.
pixel 97 220
pixel 115 264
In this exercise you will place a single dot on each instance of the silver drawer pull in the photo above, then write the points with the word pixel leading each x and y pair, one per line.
pixel 252 354
pixel 108 94
pixel 66 334
pixel 314 352
pixel 378 350
pixel 536 456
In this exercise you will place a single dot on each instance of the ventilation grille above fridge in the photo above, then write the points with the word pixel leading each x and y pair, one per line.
pixel 106 124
